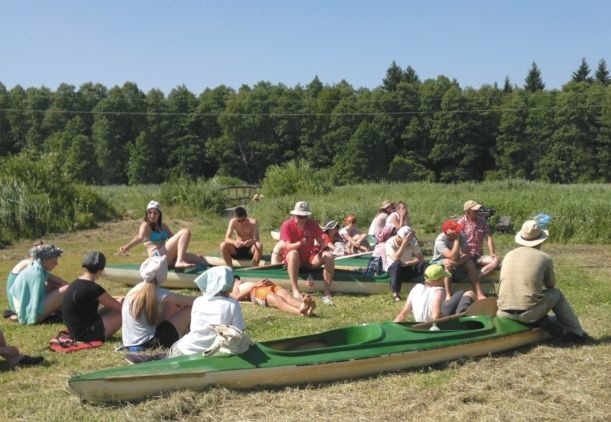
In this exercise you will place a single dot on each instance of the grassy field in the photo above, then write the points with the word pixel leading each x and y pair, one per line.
pixel 551 381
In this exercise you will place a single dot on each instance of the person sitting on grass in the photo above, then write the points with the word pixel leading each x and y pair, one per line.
pixel 81 311
pixel 14 357
pixel 246 243
pixel 53 282
pixel 215 306
pixel 32 296
pixel 265 293
pixel 152 316
pixel 427 302
pixel 159 240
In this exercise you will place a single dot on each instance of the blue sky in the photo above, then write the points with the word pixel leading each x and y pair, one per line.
pixel 206 43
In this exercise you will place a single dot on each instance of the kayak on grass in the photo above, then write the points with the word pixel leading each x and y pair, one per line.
pixel 342 353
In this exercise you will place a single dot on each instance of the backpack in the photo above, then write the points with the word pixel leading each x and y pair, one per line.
pixel 374 266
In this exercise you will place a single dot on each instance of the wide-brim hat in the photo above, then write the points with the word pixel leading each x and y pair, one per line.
pixel 531 234
pixel 301 209
pixel 385 204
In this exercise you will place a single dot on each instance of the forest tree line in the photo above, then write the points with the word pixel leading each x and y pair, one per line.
pixel 404 130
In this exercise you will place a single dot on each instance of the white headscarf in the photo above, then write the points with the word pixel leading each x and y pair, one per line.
pixel 215 280
pixel 154 268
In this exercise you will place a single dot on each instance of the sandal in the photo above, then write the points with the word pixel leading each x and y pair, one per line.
pixel 30 360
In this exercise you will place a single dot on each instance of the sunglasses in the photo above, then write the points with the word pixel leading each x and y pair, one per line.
pixel 301 217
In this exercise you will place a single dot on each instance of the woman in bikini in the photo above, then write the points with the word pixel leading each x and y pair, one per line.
pixel 159 240
pixel 265 293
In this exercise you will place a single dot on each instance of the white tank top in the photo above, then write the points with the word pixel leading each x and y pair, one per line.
pixel 421 297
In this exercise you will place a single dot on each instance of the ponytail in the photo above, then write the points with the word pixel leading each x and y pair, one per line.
pixel 145 300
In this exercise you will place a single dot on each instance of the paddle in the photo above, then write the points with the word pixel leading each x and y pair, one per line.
pixel 355 255
pixel 480 307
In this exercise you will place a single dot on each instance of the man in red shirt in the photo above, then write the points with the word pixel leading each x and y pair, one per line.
pixel 299 234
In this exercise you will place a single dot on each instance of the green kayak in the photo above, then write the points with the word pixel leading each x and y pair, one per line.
pixel 353 281
pixel 342 353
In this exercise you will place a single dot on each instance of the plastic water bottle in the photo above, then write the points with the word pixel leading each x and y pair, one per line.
pixel 434 327
pixel 310 280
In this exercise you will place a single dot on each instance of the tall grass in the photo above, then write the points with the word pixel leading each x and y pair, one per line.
pixel 581 213
pixel 34 201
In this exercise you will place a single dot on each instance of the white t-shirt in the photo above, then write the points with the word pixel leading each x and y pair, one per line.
pixel 421 297
pixel 216 310
pixel 408 253
pixel 138 331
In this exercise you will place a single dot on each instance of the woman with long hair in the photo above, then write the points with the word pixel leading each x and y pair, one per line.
pixel 159 240
pixel 151 315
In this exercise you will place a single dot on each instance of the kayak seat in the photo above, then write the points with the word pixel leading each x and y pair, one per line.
pixel 338 339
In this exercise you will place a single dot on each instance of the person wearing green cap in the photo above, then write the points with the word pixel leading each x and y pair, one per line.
pixel 427 300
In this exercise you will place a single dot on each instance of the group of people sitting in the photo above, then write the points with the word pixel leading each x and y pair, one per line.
pixel 151 316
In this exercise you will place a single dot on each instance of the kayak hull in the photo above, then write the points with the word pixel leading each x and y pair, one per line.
pixel 334 355
pixel 354 281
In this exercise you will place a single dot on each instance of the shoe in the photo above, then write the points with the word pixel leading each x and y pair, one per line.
pixel 551 325
pixel 585 338
pixel 396 297
pixel 327 300
pixel 30 360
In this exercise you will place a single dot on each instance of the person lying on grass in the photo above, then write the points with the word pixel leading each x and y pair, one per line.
pixel 266 293
pixel 81 311
pixel 14 357
pixel 427 302
pixel 215 306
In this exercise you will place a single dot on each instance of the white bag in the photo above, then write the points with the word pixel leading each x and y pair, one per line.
pixel 229 340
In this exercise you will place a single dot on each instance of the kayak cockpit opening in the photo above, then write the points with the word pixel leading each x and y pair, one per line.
pixel 340 338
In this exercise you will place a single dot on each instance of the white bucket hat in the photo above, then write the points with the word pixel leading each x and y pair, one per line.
pixel 301 209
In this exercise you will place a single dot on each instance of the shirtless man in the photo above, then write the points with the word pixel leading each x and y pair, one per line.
pixel 246 243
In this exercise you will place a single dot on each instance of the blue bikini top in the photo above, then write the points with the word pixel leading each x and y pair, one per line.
pixel 158 236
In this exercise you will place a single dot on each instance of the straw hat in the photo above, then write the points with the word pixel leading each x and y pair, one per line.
pixel 531 234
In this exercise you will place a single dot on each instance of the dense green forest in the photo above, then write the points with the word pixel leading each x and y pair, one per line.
pixel 404 130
